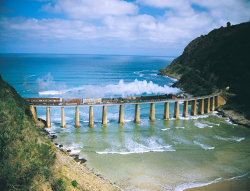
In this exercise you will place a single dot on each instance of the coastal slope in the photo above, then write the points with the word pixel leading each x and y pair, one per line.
pixel 25 155
pixel 29 160
pixel 217 61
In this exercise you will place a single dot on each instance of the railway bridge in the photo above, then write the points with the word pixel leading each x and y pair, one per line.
pixel 204 105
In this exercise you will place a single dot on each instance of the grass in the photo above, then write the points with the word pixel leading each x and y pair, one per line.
pixel 24 152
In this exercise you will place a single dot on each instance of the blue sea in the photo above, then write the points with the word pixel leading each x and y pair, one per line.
pixel 160 155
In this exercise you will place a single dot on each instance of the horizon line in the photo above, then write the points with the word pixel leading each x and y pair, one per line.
pixel 101 54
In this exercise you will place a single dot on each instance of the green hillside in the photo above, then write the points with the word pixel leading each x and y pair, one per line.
pixel 25 155
pixel 219 60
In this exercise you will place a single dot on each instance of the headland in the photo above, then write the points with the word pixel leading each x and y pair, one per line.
pixel 216 62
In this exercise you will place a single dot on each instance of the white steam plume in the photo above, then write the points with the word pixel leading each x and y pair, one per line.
pixel 121 89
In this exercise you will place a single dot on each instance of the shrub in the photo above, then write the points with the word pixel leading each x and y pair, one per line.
pixel 59 185
pixel 46 173
pixel 74 183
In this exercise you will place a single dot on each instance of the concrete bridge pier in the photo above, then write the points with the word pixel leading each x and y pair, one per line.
pixel 137 113
pixel 77 124
pixel 121 115
pixel 166 111
pixel 34 113
pixel 48 120
pixel 212 102
pixel 201 107
pixel 193 107
pixel 185 109
pixel 176 110
pixel 62 118
pixel 216 99
pixel 104 116
pixel 207 105
pixel 220 101
pixel 91 116
pixel 152 112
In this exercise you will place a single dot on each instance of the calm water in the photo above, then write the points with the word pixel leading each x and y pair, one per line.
pixel 164 155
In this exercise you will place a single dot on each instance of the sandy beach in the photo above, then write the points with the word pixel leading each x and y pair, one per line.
pixel 242 184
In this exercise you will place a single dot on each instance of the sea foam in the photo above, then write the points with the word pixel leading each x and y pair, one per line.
pixel 121 89
pixel 238 139
pixel 194 185
pixel 148 145
pixel 183 187
pixel 139 150
pixel 205 147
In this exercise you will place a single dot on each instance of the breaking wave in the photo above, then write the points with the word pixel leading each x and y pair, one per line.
pixel 194 185
pixel 186 186
pixel 121 89
pixel 202 125
pixel 131 147
pixel 238 139
pixel 205 147
pixel 165 129
pixel 139 150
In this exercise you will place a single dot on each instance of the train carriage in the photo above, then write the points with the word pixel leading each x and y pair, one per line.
pixel 74 101
pixel 53 101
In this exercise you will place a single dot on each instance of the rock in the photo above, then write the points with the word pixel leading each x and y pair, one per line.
pixel 82 160
pixel 234 116
pixel 41 123
pixel 53 136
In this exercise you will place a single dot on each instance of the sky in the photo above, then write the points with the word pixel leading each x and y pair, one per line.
pixel 115 27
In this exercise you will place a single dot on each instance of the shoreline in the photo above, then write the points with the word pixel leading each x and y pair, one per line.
pixel 241 183
pixel 71 166
pixel 210 186
pixel 234 116
pixel 170 75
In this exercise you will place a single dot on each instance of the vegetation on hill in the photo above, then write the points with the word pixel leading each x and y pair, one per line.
pixel 218 60
pixel 24 154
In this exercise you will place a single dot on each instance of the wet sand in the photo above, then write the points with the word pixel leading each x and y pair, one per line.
pixel 242 184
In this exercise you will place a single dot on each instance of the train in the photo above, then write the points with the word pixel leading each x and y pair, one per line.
pixel 78 101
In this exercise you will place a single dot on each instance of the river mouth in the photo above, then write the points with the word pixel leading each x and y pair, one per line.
pixel 160 155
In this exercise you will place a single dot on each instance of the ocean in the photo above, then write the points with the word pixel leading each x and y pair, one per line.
pixel 160 155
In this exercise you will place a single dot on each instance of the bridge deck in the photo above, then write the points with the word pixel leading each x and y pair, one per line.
pixel 121 102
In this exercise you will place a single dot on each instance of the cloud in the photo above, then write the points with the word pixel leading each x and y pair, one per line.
pixel 218 11
pixel 91 9
pixel 177 4
pixel 120 23
pixel 46 29
pixel 124 28
pixel 234 11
